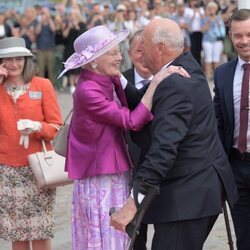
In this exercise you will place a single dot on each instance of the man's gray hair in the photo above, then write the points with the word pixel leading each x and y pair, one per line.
pixel 174 40
pixel 135 35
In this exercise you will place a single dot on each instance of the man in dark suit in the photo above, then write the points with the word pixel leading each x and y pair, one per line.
pixel 183 153
pixel 139 76
pixel 229 113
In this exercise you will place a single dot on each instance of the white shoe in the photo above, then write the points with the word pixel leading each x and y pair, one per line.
pixel 72 89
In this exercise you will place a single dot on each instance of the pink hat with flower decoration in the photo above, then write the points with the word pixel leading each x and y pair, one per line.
pixel 91 45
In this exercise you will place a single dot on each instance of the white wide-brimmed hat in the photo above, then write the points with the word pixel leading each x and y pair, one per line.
pixel 92 44
pixel 13 47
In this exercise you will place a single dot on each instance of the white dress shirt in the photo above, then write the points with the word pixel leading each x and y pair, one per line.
pixel 138 79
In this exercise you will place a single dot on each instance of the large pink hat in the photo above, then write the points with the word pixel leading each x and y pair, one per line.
pixel 92 44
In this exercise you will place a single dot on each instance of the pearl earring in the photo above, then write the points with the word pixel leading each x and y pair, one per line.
pixel 93 65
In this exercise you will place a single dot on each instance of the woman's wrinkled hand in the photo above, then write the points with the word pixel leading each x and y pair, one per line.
pixel 166 72
pixel 158 78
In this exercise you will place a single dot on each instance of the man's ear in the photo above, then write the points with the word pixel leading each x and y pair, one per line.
pixel 161 48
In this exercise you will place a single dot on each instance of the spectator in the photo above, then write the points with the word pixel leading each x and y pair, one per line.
pixel 184 23
pixel 45 43
pixel 118 25
pixel 23 30
pixel 5 30
pixel 139 76
pixel 213 36
pixel 231 103
pixel 226 13
pixel 96 17
pixel 73 28
pixel 132 23
pixel 26 213
pixel 196 14
pixel 31 15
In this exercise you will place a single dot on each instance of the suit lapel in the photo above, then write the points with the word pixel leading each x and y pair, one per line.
pixel 132 76
pixel 228 90
pixel 129 75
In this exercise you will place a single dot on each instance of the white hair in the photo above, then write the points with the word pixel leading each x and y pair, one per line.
pixel 174 40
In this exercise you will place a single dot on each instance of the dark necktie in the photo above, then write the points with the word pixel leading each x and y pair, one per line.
pixel 119 91
pixel 244 108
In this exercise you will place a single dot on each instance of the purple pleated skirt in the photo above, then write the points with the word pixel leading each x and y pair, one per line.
pixel 92 199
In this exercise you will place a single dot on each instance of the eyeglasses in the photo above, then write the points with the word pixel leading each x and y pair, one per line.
pixel 114 53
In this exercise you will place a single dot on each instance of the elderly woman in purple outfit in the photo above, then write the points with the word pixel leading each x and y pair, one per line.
pixel 97 157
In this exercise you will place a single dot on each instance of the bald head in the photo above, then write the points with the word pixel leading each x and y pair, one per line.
pixel 162 42
pixel 163 22
pixel 166 31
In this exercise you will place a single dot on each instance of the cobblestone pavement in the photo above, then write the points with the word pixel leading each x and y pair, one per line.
pixel 217 239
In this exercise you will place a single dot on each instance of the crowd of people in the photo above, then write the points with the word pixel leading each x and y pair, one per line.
pixel 128 69
pixel 50 33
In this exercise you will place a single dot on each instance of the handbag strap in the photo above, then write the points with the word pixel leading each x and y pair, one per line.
pixel 57 127
pixel 46 154
pixel 67 117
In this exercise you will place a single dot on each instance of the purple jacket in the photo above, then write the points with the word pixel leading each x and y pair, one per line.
pixel 96 143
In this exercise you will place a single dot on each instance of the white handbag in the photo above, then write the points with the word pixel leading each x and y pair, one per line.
pixel 48 168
